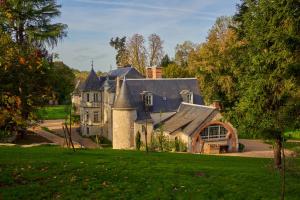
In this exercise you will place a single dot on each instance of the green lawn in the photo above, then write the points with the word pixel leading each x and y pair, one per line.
pixel 53 112
pixel 293 135
pixel 55 173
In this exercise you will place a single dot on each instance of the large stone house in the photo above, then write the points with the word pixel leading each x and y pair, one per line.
pixel 123 103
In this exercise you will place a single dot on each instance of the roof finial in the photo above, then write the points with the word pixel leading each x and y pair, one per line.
pixel 92 64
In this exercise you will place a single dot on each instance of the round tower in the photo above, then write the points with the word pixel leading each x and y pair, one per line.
pixel 124 115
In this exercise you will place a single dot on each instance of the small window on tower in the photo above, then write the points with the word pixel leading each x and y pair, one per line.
pixel 88 97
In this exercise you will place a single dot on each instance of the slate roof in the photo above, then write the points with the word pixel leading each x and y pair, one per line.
pixel 166 94
pixel 93 83
pixel 124 99
pixel 189 117
pixel 128 72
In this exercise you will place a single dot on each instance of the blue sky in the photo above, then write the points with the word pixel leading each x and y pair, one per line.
pixel 91 24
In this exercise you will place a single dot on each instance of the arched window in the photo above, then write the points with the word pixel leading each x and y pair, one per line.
pixel 213 132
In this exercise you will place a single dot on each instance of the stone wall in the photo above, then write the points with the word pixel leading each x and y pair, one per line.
pixel 138 126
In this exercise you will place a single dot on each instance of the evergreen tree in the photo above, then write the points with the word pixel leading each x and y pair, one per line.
pixel 30 21
pixel 269 94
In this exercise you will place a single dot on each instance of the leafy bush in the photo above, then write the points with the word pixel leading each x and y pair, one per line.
pixel 4 134
pixel 241 147
pixel 160 142
pixel 138 140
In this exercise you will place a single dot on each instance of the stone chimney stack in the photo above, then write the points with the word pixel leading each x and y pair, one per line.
pixel 154 72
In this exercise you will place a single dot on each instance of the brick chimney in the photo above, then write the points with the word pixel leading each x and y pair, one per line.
pixel 154 72
pixel 217 104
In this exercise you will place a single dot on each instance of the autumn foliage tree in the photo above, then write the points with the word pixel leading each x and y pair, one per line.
pixel 26 29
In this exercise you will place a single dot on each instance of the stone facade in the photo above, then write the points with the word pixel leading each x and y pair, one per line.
pixel 124 103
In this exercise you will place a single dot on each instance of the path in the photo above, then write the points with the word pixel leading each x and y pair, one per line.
pixel 52 137
pixel 257 148
pixel 56 125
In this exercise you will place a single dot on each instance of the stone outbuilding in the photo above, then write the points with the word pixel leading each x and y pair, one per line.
pixel 202 128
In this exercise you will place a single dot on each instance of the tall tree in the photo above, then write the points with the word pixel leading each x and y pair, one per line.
pixel 155 49
pixel 182 51
pixel 137 52
pixel 122 57
pixel 24 83
pixel 215 63
pixel 25 30
pixel 269 96
pixel 165 61
pixel 175 71
pixel 30 21
pixel 62 81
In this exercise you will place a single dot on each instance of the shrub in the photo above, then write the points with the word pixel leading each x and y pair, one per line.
pixel 4 134
pixel 241 147
pixel 160 142
pixel 138 140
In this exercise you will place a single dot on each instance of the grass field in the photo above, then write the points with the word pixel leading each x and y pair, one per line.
pixel 293 135
pixel 55 173
pixel 53 112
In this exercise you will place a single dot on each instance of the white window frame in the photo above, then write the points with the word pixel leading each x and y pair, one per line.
pixel 190 97
pixel 149 99
pixel 210 136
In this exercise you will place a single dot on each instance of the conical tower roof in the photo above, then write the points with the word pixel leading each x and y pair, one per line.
pixel 92 83
pixel 124 100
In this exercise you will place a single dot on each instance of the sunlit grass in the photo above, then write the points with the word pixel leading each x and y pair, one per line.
pixel 53 173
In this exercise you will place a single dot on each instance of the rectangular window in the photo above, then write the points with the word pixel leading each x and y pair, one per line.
pixel 96 116
pixel 95 97
pixel 87 117
pixel 88 97
pixel 190 97
pixel 87 130
pixel 149 100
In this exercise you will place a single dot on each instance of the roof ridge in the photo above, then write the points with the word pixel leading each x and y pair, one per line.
pixel 197 105
pixel 162 79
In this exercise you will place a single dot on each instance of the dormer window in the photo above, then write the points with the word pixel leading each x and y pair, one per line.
pixel 187 96
pixel 190 97
pixel 147 98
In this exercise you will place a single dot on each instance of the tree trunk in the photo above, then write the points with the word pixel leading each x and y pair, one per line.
pixel 277 153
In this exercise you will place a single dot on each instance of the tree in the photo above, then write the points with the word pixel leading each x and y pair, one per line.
pixel 165 61
pixel 155 49
pixel 269 96
pixel 30 21
pixel 25 30
pixel 182 51
pixel 215 63
pixel 137 52
pixel 175 71
pixel 24 83
pixel 122 57
pixel 62 81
